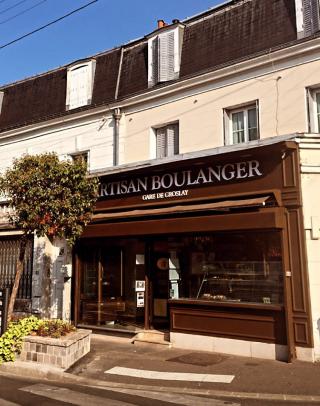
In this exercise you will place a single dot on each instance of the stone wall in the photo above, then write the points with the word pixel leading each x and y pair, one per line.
pixel 58 352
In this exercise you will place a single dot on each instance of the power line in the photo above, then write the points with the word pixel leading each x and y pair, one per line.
pixel 22 12
pixel 11 7
pixel 48 24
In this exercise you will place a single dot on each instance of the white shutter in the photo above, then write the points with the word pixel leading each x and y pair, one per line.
pixel 166 56
pixel 312 111
pixel 257 119
pixel 310 16
pixel 153 55
pixel 172 140
pixel 227 127
pixel 1 100
pixel 80 85
pixel 161 142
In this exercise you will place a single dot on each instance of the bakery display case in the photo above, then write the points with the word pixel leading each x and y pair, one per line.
pixel 242 281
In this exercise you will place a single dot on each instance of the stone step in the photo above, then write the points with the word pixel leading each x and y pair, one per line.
pixel 151 337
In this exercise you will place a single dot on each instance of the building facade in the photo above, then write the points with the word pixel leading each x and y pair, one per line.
pixel 205 137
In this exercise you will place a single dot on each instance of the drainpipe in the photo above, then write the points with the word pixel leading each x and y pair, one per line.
pixel 116 117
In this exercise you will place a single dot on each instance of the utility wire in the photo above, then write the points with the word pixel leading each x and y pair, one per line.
pixel 48 24
pixel 22 12
pixel 11 7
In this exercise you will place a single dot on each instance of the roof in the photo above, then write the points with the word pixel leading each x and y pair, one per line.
pixel 235 30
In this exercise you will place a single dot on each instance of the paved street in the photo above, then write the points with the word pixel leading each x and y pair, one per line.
pixel 25 392
pixel 118 373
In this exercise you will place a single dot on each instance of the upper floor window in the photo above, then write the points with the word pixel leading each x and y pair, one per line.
pixel 241 124
pixel 307 17
pixel 164 54
pixel 167 140
pixel 80 157
pixel 80 79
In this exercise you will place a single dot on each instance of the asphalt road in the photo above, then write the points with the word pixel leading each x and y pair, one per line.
pixel 24 392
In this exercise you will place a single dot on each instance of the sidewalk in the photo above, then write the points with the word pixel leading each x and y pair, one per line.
pixel 253 378
pixel 251 375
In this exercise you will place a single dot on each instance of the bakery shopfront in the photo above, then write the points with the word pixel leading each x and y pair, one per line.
pixel 208 247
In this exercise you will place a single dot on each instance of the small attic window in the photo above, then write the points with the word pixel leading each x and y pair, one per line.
pixel 164 55
pixel 307 17
pixel 80 80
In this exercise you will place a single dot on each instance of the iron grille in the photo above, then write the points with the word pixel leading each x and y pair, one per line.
pixel 9 253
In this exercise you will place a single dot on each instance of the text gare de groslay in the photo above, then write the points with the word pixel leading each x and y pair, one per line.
pixel 219 173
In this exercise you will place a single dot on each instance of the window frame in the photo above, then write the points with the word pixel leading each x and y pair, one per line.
pixel 228 122
pixel 154 144
pixel 156 72
pixel 86 153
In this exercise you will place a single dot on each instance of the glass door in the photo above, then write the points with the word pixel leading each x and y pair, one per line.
pixel 111 276
pixel 160 283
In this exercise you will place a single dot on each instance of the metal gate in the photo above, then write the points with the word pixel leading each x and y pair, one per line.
pixel 9 254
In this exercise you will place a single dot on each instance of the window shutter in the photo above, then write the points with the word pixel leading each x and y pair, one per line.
pixel 155 61
pixel 80 85
pixel 172 140
pixel 312 111
pixel 161 142
pixel 257 119
pixel 226 127
pixel 166 57
pixel 1 100
pixel 310 16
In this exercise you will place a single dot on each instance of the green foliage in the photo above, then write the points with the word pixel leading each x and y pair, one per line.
pixel 49 197
pixel 54 328
pixel 11 340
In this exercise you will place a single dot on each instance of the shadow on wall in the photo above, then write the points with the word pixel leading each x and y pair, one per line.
pixel 49 279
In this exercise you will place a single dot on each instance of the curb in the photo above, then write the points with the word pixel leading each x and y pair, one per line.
pixel 20 369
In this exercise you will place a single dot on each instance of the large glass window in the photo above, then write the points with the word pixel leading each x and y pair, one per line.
pixel 231 266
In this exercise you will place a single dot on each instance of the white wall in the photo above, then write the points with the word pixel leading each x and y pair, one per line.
pixel 94 135
pixel 310 181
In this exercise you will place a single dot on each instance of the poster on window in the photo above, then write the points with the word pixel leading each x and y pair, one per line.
pixel 140 286
pixel 140 299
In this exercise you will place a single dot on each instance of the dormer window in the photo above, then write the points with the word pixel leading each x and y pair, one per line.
pixel 1 100
pixel 308 17
pixel 80 79
pixel 164 55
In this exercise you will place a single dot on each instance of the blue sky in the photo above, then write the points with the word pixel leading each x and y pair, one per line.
pixel 101 26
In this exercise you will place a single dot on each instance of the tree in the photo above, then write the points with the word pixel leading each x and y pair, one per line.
pixel 50 198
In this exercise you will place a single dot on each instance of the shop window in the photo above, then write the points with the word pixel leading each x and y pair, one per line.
pixel 241 124
pixel 167 140
pixel 164 54
pixel 241 267
pixel 80 79
pixel 314 109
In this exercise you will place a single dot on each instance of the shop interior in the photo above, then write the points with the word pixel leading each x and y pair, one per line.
pixel 119 280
